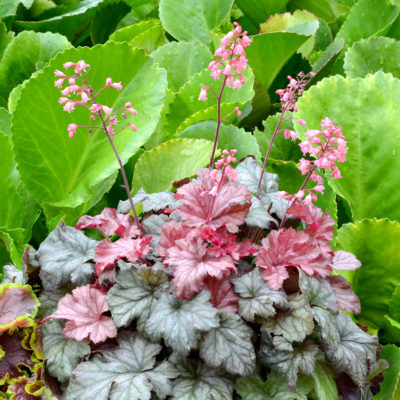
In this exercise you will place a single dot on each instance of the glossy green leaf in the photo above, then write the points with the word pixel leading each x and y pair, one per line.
pixel 28 52
pixel 72 21
pixel 371 55
pixel 390 387
pixel 147 34
pixel 174 58
pixel 372 159
pixel 157 169
pixel 325 9
pixel 323 65
pixel 367 19
pixel 186 101
pixel 229 137
pixel 66 173
pixel 324 382
pixel 196 18
pixel 375 244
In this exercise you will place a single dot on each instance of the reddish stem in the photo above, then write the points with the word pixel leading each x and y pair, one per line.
pixel 214 197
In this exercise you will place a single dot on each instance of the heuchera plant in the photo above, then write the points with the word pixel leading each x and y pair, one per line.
pixel 224 285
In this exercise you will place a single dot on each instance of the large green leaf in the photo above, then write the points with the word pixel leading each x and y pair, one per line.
pixel 371 55
pixel 390 387
pixel 72 20
pixel 148 34
pixel 229 137
pixel 196 18
pixel 328 10
pixel 186 101
pixel 181 60
pixel 375 243
pixel 65 173
pixel 367 18
pixel 157 169
pixel 9 7
pixel 5 121
pixel 28 52
pixel 373 138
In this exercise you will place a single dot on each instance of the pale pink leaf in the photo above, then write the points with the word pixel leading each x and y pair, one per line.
pixel 231 204
pixel 275 276
pixel 345 297
pixel 171 231
pixel 130 249
pixel 83 309
pixel 343 260
pixel 222 294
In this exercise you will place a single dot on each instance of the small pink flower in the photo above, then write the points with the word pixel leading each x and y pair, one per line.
pixel 203 94
pixel 85 97
pixel 59 74
pixel 59 82
pixel 69 106
pixel 95 108
pixel 302 122
pixel 237 111
pixel 80 66
pixel 133 127
pixel 107 110
pixel 63 100
pixel 69 64
pixel 72 129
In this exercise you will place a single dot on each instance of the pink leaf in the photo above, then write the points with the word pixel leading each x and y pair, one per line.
pixel 171 231
pixel 130 249
pixel 345 297
pixel 231 205
pixel 289 247
pixel 343 260
pixel 222 294
pixel 194 263
pixel 110 223
pixel 83 309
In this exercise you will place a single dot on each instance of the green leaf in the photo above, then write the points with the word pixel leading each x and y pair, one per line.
pixel 106 20
pixel 27 53
pixel 371 55
pixel 363 170
pixel 63 257
pixel 275 49
pixel 391 330
pixel 72 21
pixel 289 362
pixel 127 372
pixel 282 149
pixel 80 169
pixel 394 306
pixel 5 121
pixel 196 18
pixel 174 56
pixel 157 169
pixel 390 387
pixel 131 298
pixel 256 298
pixel 354 350
pixel 323 65
pixel 147 35
pixel 367 19
pixel 229 137
pixel 180 323
pixel 9 7
pixel 324 382
pixel 186 103
pixel 198 381
pixel 62 355
pixel 374 243
pixel 229 345
pixel 295 324
pixel 325 9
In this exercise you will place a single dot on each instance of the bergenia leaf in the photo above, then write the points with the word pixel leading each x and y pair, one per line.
pixel 343 260
pixel 13 355
pixel 354 350
pixel 229 345
pixel 294 325
pixel 83 309
pixel 63 257
pixel 194 263
pixel 62 355
pixel 155 201
pixel 11 274
pixel 127 372
pixel 231 205
pixel 130 298
pixel 197 380
pixel 256 298
pixel 180 323
pixel 346 299
pixel 18 306
pixel 110 222
pixel 289 363
pixel 108 252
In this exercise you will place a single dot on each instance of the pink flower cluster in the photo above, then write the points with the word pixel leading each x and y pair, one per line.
pixel 85 96
pixel 231 60
pixel 293 91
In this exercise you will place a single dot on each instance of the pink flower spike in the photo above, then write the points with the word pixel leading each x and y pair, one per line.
pixel 69 64
pixel 72 129
pixel 203 94
pixel 133 127
pixel 107 110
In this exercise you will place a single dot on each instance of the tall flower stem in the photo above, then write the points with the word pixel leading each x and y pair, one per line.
pixel 121 165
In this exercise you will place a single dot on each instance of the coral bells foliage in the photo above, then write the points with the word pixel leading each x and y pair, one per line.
pixel 78 93
pixel 231 60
